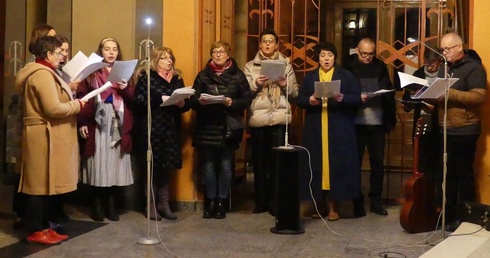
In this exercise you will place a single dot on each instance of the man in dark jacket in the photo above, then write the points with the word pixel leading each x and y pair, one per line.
pixel 464 99
pixel 375 117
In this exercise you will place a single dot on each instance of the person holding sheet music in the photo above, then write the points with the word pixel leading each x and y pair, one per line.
pixel 105 125
pixel 218 127
pixel 49 161
pixel 19 199
pixel 65 54
pixel 428 148
pixel 268 113
pixel 375 117
pixel 166 126
pixel 330 137
pixel 465 98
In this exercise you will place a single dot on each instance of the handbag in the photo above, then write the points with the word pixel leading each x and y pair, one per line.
pixel 233 128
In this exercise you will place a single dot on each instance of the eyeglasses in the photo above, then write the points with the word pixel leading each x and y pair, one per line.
pixel 270 41
pixel 221 52
pixel 57 53
pixel 367 54
pixel 447 49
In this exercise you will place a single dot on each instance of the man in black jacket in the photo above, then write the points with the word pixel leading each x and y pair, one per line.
pixel 375 117
pixel 465 97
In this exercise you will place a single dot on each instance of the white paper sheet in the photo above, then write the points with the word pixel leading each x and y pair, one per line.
pixel 273 69
pixel 177 95
pixel 407 79
pixel 96 92
pixel 122 70
pixel 379 92
pixel 435 90
pixel 327 89
pixel 213 99
pixel 81 66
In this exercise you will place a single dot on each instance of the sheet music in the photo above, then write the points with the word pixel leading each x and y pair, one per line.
pixel 407 79
pixel 122 70
pixel 96 92
pixel 81 66
pixel 213 99
pixel 379 92
pixel 327 89
pixel 273 69
pixel 435 90
pixel 177 95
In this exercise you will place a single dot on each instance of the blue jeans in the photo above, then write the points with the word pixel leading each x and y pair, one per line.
pixel 216 166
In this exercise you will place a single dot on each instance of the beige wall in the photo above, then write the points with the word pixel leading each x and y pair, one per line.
pixel 180 33
pixel 94 19
pixel 479 38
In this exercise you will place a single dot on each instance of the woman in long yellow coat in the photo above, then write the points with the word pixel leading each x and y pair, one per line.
pixel 49 163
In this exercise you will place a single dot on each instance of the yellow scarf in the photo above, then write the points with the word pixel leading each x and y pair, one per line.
pixel 325 77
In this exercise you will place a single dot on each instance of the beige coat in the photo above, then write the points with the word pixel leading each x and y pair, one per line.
pixel 262 111
pixel 49 163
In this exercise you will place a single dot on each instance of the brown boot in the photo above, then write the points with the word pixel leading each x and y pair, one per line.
pixel 333 211
pixel 162 207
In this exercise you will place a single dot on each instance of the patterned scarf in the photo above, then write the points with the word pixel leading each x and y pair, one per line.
pixel 270 89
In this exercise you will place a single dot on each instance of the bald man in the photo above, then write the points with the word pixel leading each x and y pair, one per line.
pixel 375 117
pixel 465 98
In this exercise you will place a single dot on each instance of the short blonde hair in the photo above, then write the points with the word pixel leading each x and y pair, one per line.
pixel 219 44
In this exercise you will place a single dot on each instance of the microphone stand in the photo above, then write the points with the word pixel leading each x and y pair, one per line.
pixel 288 112
pixel 444 155
pixel 148 240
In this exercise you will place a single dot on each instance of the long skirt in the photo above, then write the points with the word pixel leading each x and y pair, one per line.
pixel 108 166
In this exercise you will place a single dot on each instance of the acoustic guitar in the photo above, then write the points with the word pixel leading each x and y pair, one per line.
pixel 418 213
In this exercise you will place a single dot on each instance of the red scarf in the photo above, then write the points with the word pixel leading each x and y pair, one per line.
pixel 219 70
pixel 45 63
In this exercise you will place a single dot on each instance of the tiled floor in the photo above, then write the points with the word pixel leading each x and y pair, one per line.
pixel 241 234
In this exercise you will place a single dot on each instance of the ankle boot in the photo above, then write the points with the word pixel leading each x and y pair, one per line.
pixel 153 211
pixel 97 212
pixel 209 208
pixel 163 208
pixel 220 209
pixel 333 211
pixel 110 212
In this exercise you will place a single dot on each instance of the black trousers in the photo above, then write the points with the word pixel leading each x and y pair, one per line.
pixel 263 139
pixel 460 180
pixel 36 213
pixel 372 137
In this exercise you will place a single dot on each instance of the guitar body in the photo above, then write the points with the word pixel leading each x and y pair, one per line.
pixel 418 213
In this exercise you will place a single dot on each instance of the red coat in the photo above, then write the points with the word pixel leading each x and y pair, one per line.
pixel 87 115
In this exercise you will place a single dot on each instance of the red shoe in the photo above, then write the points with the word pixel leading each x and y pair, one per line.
pixel 42 237
pixel 55 234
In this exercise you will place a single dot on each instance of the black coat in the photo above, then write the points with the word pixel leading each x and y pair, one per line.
pixel 210 122
pixel 377 70
pixel 345 172
pixel 166 122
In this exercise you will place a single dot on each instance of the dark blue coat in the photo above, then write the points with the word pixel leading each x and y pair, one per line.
pixel 345 172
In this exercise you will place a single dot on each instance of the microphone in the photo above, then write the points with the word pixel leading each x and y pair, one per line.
pixel 444 155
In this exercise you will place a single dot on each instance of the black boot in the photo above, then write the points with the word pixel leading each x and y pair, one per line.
pixel 359 210
pixel 97 212
pixel 220 209
pixel 209 208
pixel 110 212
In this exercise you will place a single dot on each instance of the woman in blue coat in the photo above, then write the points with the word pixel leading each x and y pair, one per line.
pixel 329 135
